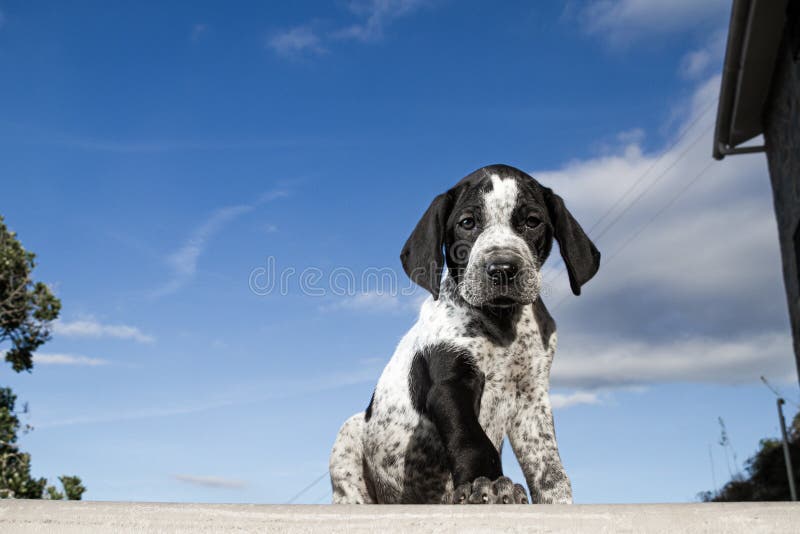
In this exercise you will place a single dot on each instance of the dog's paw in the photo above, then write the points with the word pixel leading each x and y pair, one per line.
pixel 484 491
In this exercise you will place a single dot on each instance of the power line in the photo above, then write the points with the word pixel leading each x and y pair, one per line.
pixel 311 485
pixel 652 184
pixel 663 208
pixel 610 224
pixel 327 496
pixel 638 232
pixel 641 177
pixel 778 393
pixel 653 166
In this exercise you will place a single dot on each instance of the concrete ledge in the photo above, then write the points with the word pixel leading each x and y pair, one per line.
pixel 89 517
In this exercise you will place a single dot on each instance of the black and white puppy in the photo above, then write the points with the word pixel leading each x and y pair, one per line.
pixel 476 365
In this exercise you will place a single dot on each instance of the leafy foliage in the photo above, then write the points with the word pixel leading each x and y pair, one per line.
pixel 27 309
pixel 766 472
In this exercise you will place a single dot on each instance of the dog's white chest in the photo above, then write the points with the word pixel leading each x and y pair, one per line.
pixel 504 368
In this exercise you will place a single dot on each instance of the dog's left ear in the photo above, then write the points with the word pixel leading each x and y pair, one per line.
pixel 580 255
pixel 422 256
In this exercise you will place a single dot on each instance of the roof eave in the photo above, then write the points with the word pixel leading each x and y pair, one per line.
pixel 750 56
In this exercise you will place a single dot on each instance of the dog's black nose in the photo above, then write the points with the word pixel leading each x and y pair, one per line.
pixel 502 272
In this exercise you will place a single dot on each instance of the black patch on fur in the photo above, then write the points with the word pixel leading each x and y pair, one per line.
pixel 419 382
pixel 545 321
pixel 422 256
pixel 438 228
pixel 581 257
pixel 368 412
pixel 447 387
pixel 467 195
pixel 498 325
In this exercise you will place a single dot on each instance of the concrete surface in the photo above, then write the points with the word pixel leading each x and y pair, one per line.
pixel 89 517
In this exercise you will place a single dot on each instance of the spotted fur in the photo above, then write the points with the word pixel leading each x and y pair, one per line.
pixel 475 366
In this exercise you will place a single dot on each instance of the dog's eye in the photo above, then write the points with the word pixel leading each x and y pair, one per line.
pixel 467 223
pixel 532 221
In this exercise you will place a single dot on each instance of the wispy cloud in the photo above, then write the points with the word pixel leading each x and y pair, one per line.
pixel 183 261
pixel 368 370
pixel 133 415
pixel 697 63
pixel 561 400
pixel 683 297
pixel 153 143
pixel 369 20
pixel 67 359
pixel 212 481
pixel 296 41
pixel 63 359
pixel 92 328
pixel 375 16
pixel 620 22
pixel 373 301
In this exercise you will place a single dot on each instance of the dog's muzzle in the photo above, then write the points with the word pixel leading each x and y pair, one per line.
pixel 502 271
pixel 500 275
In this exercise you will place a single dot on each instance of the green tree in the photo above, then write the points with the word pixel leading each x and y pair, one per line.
pixel 766 478
pixel 27 309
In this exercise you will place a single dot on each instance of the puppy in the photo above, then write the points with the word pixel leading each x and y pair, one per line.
pixel 476 365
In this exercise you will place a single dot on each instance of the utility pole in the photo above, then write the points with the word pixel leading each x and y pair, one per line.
pixel 786 455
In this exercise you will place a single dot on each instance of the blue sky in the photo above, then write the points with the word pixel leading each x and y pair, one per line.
pixel 160 158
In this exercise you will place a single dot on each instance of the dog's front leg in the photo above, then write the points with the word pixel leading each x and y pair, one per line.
pixel 452 403
pixel 533 438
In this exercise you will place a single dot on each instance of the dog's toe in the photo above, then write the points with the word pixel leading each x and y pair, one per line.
pixel 506 492
pixel 481 491
pixel 460 495
pixel 520 495
pixel 484 491
pixel 503 490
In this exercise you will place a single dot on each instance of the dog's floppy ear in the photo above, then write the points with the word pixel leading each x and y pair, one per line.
pixel 580 255
pixel 422 256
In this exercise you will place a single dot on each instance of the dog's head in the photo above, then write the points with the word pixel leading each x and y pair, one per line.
pixel 494 230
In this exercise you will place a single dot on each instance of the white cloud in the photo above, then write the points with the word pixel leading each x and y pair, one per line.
pixel 561 400
pixel 368 302
pixel 695 63
pixel 376 15
pixel 592 362
pixel 133 415
pixel 183 261
pixel 621 21
pixel 698 62
pixel 296 41
pixel 67 359
pixel 212 482
pixel 367 371
pixel 92 328
pixel 372 17
pixel 690 286
pixel 374 301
